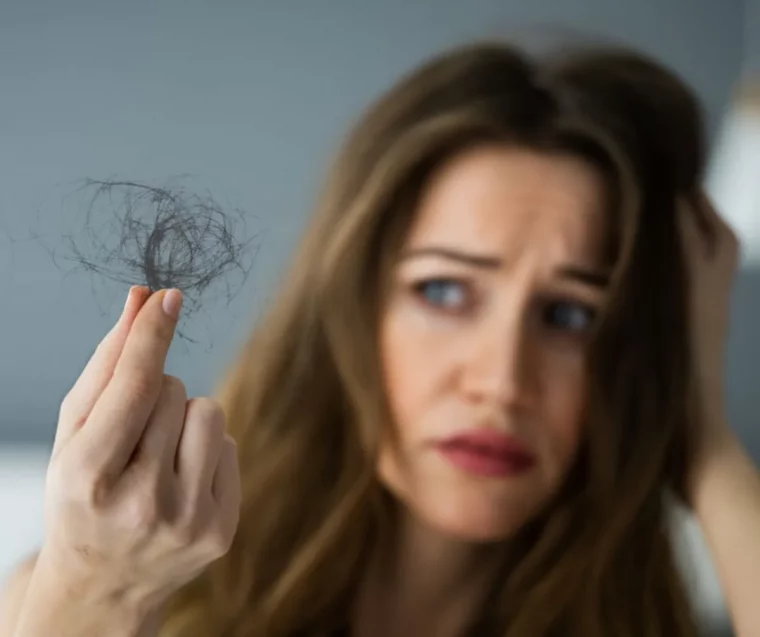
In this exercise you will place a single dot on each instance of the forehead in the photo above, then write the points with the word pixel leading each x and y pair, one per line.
pixel 500 200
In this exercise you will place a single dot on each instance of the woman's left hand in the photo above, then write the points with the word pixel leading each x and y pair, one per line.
pixel 712 252
pixel 723 482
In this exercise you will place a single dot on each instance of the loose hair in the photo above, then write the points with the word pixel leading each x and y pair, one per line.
pixel 305 400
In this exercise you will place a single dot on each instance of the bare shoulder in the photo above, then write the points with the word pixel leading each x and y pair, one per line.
pixel 12 595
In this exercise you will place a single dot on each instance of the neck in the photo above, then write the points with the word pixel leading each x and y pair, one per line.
pixel 421 583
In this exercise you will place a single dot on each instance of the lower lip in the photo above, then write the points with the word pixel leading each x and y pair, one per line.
pixel 485 464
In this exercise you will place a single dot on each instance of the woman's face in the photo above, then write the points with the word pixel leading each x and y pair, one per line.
pixel 484 339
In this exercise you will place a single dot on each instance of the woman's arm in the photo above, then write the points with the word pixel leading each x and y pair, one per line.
pixel 726 500
pixel 113 548
pixel 37 602
pixel 12 596
pixel 724 483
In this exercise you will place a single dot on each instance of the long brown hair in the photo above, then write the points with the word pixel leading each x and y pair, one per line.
pixel 305 399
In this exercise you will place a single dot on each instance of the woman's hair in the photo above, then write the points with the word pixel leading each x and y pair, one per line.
pixel 306 403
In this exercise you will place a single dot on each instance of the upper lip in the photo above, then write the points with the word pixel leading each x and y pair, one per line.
pixel 490 441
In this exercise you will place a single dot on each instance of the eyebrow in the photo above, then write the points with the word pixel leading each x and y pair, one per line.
pixel 594 278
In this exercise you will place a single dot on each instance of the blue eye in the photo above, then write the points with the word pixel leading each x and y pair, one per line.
pixel 567 315
pixel 443 293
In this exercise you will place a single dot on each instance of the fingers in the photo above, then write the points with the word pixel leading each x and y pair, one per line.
pixel 81 398
pixel 226 487
pixel 119 416
pixel 158 446
pixel 200 445
pixel 705 232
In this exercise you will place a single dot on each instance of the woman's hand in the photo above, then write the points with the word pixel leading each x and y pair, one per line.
pixel 143 488
pixel 724 482
pixel 712 252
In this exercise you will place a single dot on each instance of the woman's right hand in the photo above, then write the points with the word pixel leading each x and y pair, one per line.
pixel 143 487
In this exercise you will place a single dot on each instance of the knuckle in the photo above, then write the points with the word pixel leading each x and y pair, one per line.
pixel 172 388
pixel 83 482
pixel 189 526
pixel 140 386
pixel 222 531
pixel 142 512
pixel 219 541
pixel 68 410
pixel 208 411
pixel 144 464
pixel 185 532
pixel 83 476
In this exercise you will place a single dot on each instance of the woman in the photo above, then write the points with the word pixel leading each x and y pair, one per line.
pixel 500 346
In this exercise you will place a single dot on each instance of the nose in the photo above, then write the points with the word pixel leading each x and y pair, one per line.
pixel 498 367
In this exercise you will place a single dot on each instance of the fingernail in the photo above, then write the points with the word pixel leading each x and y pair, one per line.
pixel 172 303
pixel 129 298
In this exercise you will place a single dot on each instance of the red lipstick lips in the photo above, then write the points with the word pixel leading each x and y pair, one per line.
pixel 487 453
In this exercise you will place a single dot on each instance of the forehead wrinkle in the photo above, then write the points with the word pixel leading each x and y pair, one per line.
pixel 501 205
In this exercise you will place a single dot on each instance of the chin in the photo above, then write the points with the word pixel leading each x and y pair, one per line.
pixel 465 510
pixel 473 519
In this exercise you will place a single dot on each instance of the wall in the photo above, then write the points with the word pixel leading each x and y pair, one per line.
pixel 752 36
pixel 248 98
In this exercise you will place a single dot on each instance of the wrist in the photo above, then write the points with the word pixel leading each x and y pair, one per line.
pixel 64 603
pixel 721 459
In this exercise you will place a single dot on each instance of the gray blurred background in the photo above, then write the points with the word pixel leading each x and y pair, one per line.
pixel 248 100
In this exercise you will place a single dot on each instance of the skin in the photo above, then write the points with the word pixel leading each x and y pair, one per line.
pixel 725 482
pixel 487 326
pixel 143 487
pixel 431 576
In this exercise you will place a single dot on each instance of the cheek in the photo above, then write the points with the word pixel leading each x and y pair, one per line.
pixel 414 365
pixel 419 372
pixel 563 412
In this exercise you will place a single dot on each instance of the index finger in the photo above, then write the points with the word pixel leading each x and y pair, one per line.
pixel 97 373
pixel 118 419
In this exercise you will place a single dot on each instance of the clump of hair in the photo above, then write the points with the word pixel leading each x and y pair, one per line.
pixel 160 236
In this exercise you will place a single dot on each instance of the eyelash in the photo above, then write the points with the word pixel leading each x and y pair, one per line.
pixel 589 314
pixel 422 287
pixel 548 305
